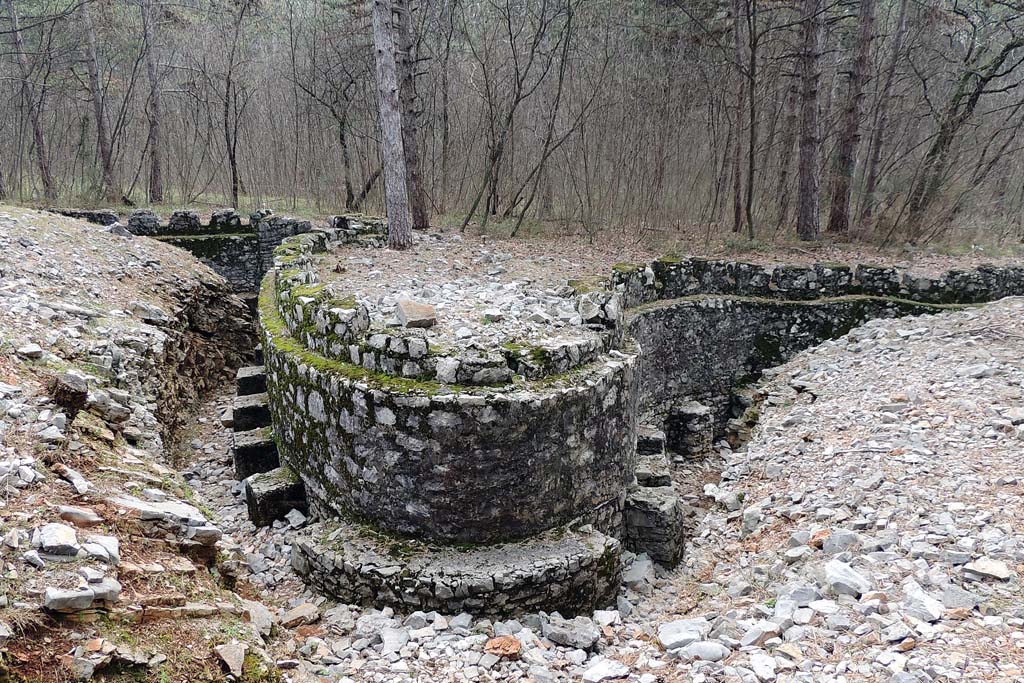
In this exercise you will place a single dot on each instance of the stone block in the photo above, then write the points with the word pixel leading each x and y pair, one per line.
pixel 653 470
pixel 251 380
pixel 415 314
pixel 655 524
pixel 271 495
pixel 649 440
pixel 254 451
pixel 690 429
pixel 251 412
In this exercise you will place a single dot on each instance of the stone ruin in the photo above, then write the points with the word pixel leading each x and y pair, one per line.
pixel 509 479
pixel 241 250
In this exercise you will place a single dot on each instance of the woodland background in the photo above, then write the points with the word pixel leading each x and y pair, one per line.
pixel 876 120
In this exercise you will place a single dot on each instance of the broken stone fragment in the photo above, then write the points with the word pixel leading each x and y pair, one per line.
pixel 80 517
pixel 259 616
pixel 987 568
pixel 845 580
pixel 60 600
pixel 70 392
pixel 415 314
pixel 602 669
pixel 58 539
pixel 508 647
pixel 30 351
pixel 233 656
pixel 306 613
pixel 580 632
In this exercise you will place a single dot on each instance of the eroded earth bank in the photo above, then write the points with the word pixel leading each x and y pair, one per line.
pixel 869 530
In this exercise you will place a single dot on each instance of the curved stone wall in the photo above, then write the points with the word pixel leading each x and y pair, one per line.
pixel 466 464
pixel 523 449
pixel 703 347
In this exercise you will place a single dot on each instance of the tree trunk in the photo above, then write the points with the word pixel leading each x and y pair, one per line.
pixel 49 190
pixel 155 142
pixel 346 159
pixel 807 222
pixel 396 195
pixel 789 135
pixel 849 134
pixel 407 93
pixel 878 135
pixel 102 131
pixel 741 89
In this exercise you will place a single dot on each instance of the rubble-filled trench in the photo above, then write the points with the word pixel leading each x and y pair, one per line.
pixel 804 558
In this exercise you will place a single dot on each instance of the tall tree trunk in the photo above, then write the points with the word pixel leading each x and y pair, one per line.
pixel 396 195
pixel 741 90
pixel 881 120
pixel 42 158
pixel 407 93
pixel 789 135
pixel 751 6
pixel 96 89
pixel 807 221
pixel 346 159
pixel 155 142
pixel 849 133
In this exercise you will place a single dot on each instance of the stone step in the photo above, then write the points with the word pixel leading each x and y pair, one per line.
pixel 655 524
pixel 649 440
pixel 272 495
pixel 250 412
pixel 690 429
pixel 254 451
pixel 251 380
pixel 653 470
pixel 569 570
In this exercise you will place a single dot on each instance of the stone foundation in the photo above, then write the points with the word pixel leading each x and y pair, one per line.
pixel 566 570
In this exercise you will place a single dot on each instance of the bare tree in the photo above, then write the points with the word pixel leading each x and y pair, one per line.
pixel 96 90
pixel 985 63
pixel 33 105
pixel 849 133
pixel 407 93
pixel 154 140
pixel 807 220
pixel 882 120
pixel 395 186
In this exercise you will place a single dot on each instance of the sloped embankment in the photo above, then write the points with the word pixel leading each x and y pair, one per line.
pixel 106 343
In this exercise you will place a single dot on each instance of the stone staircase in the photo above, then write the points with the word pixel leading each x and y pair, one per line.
pixel 271 491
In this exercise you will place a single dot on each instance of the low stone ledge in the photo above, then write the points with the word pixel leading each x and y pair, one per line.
pixel 566 570
pixel 272 495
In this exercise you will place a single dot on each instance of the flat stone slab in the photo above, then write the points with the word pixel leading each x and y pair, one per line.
pixel 564 570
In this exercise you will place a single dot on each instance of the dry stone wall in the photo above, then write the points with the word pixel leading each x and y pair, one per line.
pixel 444 462
pixel 239 250
pixel 444 473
